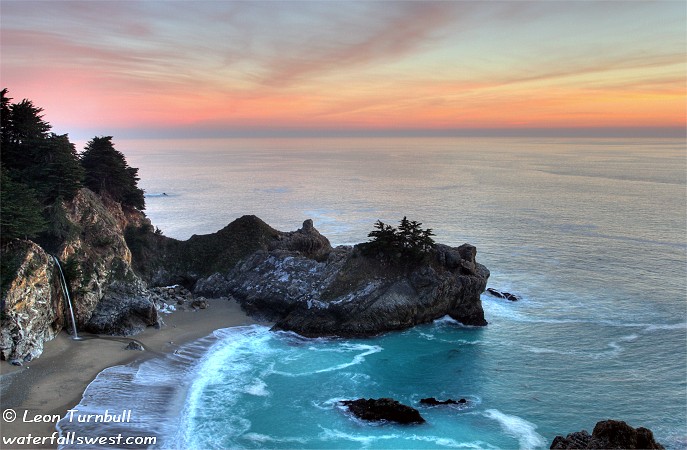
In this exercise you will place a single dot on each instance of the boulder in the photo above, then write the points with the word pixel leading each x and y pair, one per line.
pixel 199 303
pixel 608 434
pixel 125 310
pixel 383 409
pixel 134 345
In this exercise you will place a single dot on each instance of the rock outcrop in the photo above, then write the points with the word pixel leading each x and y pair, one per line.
pixel 608 434
pixel 110 255
pixel 305 286
pixel 166 261
pixel 108 297
pixel 383 409
pixel 503 294
pixel 96 253
pixel 32 302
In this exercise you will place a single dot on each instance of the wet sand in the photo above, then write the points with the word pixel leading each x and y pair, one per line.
pixel 54 382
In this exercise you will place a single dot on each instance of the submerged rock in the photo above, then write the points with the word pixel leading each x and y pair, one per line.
pixel 608 434
pixel 503 294
pixel 383 409
pixel 434 402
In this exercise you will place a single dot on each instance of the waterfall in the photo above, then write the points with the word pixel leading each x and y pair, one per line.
pixel 65 289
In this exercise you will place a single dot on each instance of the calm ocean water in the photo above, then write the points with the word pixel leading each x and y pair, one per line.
pixel 592 234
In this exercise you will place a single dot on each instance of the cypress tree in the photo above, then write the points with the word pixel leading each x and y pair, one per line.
pixel 107 173
pixel 20 211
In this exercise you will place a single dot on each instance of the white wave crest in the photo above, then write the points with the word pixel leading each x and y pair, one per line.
pixel 258 388
pixel 519 428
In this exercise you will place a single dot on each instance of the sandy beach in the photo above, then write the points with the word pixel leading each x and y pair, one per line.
pixel 55 382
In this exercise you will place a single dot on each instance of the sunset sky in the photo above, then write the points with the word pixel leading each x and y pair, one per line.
pixel 190 69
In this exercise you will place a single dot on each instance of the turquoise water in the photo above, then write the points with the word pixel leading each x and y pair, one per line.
pixel 591 234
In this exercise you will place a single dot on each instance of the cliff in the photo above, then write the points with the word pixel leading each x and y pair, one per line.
pixel 303 284
pixel 165 261
pixel 111 254
pixel 108 297
pixel 32 303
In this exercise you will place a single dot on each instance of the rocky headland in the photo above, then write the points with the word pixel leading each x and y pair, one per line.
pixel 121 272
pixel 118 269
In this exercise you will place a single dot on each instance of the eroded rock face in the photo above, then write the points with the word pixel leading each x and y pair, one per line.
pixel 340 292
pixel 608 434
pixel 108 297
pixel 125 309
pixel 98 253
pixel 32 302
pixel 383 409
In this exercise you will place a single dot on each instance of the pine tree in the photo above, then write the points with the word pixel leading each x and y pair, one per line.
pixel 43 161
pixel 107 173
pixel 59 173
pixel 20 211
pixel 408 243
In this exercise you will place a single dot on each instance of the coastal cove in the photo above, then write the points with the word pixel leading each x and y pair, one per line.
pixel 588 234
pixel 407 224
pixel 54 383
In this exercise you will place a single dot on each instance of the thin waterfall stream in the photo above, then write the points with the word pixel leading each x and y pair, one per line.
pixel 65 289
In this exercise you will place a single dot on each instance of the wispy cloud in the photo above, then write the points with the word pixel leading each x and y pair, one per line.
pixel 350 64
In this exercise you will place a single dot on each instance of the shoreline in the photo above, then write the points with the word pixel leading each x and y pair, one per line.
pixel 55 382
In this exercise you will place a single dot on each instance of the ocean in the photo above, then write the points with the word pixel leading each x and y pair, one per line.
pixel 590 233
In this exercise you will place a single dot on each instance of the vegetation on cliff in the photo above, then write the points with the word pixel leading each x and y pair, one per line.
pixel 41 170
pixel 107 173
pixel 407 243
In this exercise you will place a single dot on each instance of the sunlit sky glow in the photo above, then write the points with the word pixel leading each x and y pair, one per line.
pixel 191 69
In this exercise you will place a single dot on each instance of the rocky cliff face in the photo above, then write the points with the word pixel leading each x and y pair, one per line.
pixel 294 278
pixel 307 287
pixel 108 297
pixel 98 255
pixel 165 261
pixel 32 304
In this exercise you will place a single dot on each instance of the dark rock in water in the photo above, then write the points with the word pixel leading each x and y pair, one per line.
pixel 383 409
pixel 133 345
pixel 503 294
pixel 434 402
pixel 608 434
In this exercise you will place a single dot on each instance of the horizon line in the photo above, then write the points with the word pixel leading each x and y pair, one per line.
pixel 569 132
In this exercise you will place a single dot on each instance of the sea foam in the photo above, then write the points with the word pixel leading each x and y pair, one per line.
pixel 519 428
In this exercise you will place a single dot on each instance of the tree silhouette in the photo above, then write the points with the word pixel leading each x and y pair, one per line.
pixel 108 173
pixel 410 242
pixel 20 211
pixel 44 161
